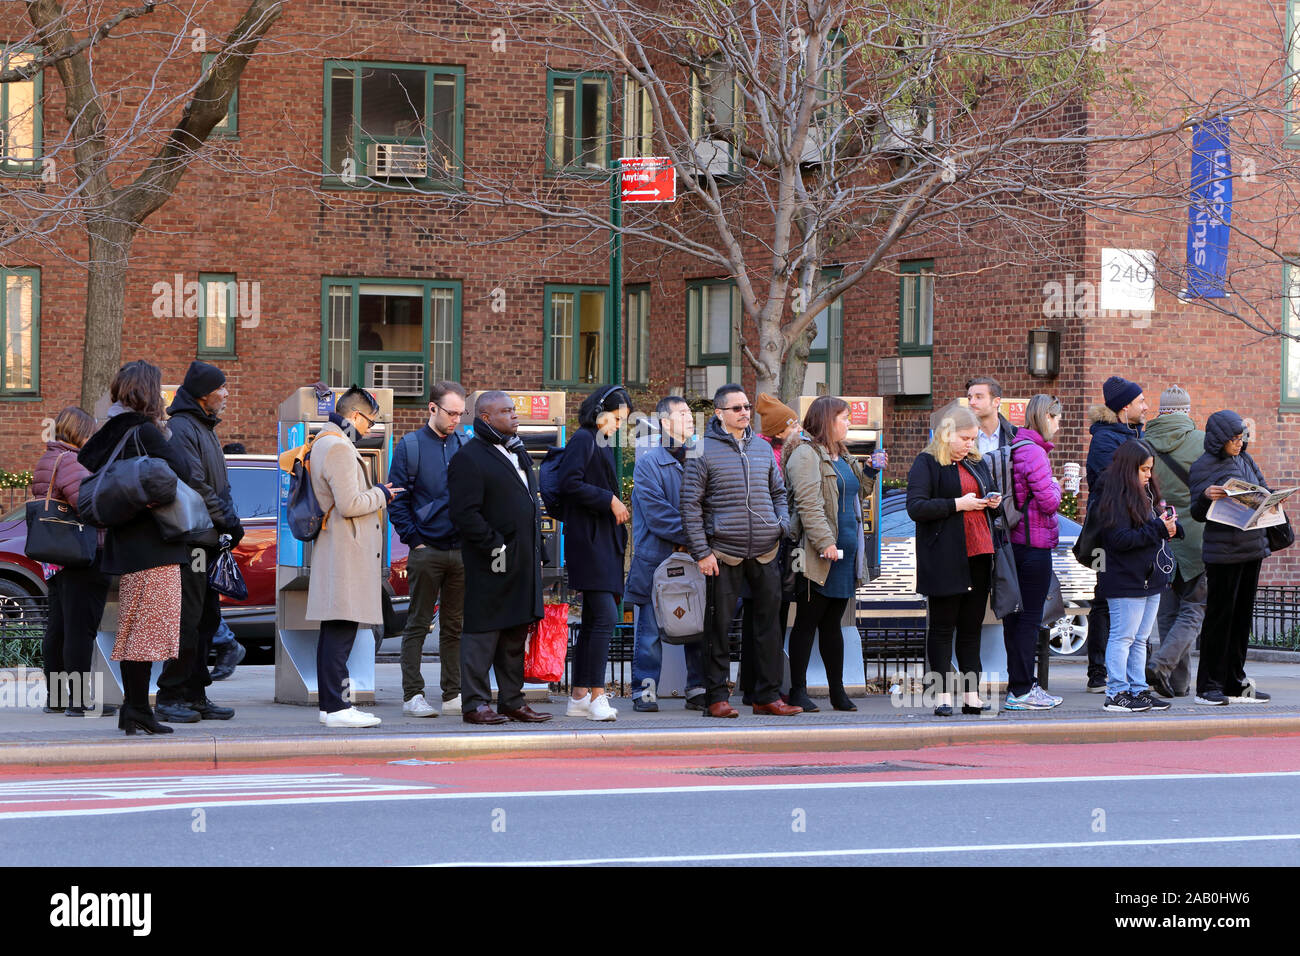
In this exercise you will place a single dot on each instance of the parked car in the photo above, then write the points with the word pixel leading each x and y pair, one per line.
pixel 254 484
pixel 890 601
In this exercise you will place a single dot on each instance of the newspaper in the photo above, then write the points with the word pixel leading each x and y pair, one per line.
pixel 1249 506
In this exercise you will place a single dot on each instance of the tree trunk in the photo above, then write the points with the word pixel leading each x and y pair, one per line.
pixel 795 368
pixel 110 245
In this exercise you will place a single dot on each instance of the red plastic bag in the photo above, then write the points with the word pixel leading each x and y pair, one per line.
pixel 548 645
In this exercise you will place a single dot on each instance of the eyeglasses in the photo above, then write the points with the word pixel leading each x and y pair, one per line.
pixel 370 422
pixel 446 411
pixel 737 408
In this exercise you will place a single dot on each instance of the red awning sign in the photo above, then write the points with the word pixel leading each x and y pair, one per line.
pixel 648 179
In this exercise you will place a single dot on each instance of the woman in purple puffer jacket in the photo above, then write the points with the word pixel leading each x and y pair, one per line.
pixel 1038 495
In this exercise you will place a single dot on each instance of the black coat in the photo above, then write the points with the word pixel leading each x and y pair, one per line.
pixel 594 543
pixel 136 545
pixel 1224 544
pixel 942 567
pixel 193 431
pixel 490 508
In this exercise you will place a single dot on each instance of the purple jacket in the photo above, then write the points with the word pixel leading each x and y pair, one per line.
pixel 1033 480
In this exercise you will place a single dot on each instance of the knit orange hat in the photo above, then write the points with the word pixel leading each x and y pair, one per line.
pixel 774 416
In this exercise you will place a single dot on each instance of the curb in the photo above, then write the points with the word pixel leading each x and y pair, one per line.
pixel 215 751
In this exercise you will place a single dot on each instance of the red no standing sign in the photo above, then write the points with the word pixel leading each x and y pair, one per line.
pixel 648 179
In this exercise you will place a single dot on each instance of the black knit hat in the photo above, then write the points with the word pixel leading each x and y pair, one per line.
pixel 1119 392
pixel 202 379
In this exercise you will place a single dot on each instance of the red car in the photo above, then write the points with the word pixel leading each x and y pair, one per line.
pixel 254 484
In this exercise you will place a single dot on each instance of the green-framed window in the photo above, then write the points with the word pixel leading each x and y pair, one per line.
pixel 394 125
pixel 21 129
pixel 825 372
pixel 716 105
pixel 577 335
pixel 218 308
pixel 229 125
pixel 916 307
pixel 578 137
pixel 20 331
pixel 638 120
pixel 712 335
pixel 1291 326
pixel 402 334
pixel 636 337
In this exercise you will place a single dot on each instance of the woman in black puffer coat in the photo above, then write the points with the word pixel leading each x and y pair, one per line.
pixel 1232 561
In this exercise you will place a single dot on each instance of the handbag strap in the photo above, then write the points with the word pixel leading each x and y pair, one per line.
pixel 49 489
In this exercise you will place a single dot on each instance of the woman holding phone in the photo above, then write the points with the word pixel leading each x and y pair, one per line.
pixel 949 497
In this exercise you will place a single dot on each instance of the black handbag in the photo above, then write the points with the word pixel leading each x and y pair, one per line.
pixel 185 517
pixel 1281 536
pixel 1087 548
pixel 224 576
pixel 120 490
pixel 55 535
pixel 1005 582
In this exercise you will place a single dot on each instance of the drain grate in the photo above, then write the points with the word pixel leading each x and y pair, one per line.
pixel 818 770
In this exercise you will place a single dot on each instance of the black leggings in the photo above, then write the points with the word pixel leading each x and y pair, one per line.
pixel 963 613
pixel 813 616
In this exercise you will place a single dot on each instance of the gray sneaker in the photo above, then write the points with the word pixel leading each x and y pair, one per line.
pixel 1043 698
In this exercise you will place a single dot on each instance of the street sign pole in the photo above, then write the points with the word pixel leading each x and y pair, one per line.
pixel 616 307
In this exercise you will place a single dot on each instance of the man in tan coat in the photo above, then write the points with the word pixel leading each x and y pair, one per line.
pixel 347 559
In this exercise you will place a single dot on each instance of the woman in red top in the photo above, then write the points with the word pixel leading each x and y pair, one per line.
pixel 949 497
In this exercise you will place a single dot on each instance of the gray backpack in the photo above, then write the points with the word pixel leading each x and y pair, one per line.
pixel 680 594
pixel 1001 462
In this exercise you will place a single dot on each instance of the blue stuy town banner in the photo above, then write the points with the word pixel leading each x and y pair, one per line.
pixel 1210 211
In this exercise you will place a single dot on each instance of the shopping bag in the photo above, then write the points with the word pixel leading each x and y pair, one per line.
pixel 547 646
pixel 224 576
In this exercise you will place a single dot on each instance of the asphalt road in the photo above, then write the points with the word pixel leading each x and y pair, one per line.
pixel 1166 804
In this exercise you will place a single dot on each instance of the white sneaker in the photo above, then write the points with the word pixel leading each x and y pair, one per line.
pixel 351 718
pixel 601 709
pixel 417 706
pixel 581 707
pixel 453 704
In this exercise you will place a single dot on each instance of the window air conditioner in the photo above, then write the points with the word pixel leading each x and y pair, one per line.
pixel 901 130
pixel 903 375
pixel 711 156
pixel 406 379
pixel 697 382
pixel 814 145
pixel 397 160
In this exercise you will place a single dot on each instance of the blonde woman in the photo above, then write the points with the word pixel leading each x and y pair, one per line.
pixel 949 497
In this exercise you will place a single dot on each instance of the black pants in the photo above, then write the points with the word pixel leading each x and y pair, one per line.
pixel 77 597
pixel 1020 630
pixel 963 614
pixel 1098 638
pixel 817 616
pixel 186 677
pixel 332 650
pixel 1229 607
pixel 746 676
pixel 765 587
pixel 503 651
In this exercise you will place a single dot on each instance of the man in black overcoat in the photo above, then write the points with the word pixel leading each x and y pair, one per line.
pixel 496 510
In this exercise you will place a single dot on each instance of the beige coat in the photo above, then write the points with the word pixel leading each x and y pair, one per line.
pixel 814 507
pixel 346 560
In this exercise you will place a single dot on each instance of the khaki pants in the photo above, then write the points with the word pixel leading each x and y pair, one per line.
pixel 434 578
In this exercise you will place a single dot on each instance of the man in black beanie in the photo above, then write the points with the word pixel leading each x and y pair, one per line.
pixel 182 686
pixel 1120 419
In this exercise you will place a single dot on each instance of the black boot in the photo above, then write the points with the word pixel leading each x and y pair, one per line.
pixel 798 697
pixel 840 700
pixel 131 720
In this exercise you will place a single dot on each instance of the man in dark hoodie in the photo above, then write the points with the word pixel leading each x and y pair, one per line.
pixel 1120 418
pixel 1232 561
pixel 1177 443
pixel 182 685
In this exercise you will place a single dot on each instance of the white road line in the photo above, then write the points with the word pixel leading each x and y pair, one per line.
pixel 645 791
pixel 874 851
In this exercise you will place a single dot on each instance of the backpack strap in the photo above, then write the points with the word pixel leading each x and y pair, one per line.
pixel 411 442
pixel 1179 471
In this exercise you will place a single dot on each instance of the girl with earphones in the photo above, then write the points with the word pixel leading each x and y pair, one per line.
pixel 1136 566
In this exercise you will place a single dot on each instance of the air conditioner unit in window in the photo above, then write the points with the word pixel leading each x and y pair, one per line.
pixel 406 379
pixel 903 375
pixel 697 382
pixel 397 160
pixel 710 156
pixel 901 130
pixel 814 145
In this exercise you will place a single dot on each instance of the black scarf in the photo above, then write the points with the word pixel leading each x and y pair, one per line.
pixel 511 443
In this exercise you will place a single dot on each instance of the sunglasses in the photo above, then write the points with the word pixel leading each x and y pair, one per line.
pixel 737 408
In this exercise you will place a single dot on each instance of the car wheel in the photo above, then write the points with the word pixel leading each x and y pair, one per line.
pixel 13 589
pixel 1069 634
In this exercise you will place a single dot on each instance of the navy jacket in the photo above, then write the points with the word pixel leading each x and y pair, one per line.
pixel 594 543
pixel 1223 543
pixel 656 519
pixel 1107 435
pixel 1139 560
pixel 423 515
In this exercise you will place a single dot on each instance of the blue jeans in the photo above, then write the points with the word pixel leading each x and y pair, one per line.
pixel 1131 621
pixel 648 656
pixel 591 650
pixel 224 634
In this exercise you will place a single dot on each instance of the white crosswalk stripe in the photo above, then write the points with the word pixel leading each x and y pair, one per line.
pixel 195 786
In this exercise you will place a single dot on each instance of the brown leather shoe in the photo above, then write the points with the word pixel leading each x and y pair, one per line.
pixel 778 708
pixel 483 714
pixel 721 709
pixel 527 715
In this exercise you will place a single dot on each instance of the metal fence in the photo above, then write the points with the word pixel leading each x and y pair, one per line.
pixel 1277 618
pixel 22 626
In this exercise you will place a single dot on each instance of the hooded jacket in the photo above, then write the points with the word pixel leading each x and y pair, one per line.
pixel 1038 495
pixel 193 433
pixel 1139 560
pixel 1224 544
pixel 733 496
pixel 1107 435
pixel 1176 435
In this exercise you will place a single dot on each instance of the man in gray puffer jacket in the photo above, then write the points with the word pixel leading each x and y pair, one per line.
pixel 734 514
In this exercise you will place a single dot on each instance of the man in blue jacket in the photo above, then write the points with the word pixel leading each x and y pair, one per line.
pixel 435 572
pixel 1121 418
pixel 657 532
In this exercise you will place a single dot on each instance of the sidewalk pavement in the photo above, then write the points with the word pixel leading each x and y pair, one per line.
pixel 262 729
